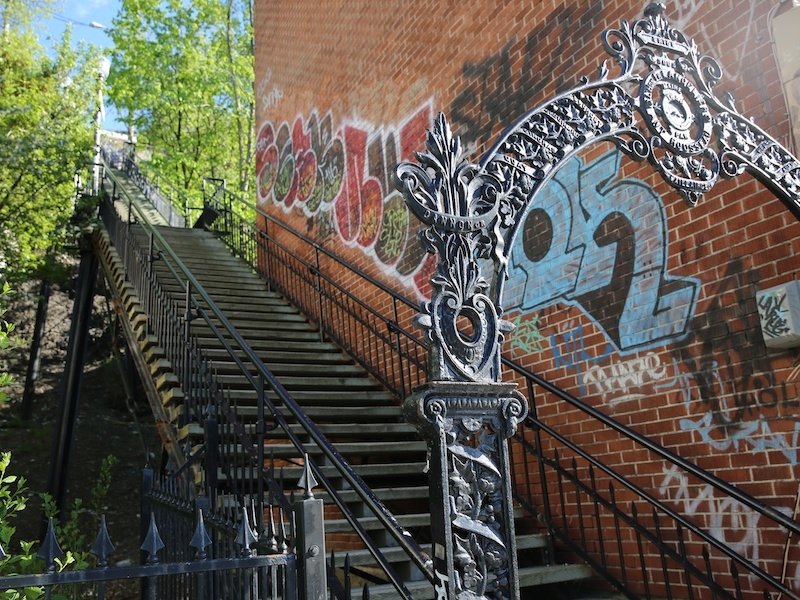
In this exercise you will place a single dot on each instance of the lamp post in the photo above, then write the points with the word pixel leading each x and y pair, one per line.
pixel 102 73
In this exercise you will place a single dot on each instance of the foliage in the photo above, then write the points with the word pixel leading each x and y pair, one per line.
pixel 46 116
pixel 6 340
pixel 183 73
pixel 100 490
pixel 13 500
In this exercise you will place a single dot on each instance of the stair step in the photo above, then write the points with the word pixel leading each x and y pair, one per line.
pixel 292 474
pixel 291 367
pixel 348 414
pixel 259 346
pixel 282 359
pixel 530 541
pixel 308 383
pixel 420 492
pixel 343 399
pixel 336 432
pixel 528 577
pixel 345 448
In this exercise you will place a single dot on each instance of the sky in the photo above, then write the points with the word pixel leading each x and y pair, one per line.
pixel 82 13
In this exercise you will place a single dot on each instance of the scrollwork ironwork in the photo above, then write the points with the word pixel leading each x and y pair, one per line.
pixel 467 426
pixel 658 106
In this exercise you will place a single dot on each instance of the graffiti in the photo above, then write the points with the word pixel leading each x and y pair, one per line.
pixel 684 12
pixel 496 95
pixel 728 520
pixel 569 350
pixel 729 389
pixel 527 338
pixel 773 311
pixel 601 244
pixel 340 180
pixel 622 378
pixel 268 99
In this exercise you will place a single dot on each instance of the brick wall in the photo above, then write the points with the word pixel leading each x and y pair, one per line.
pixel 346 89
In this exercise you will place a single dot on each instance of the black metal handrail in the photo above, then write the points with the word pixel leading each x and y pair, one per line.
pixel 291 263
pixel 204 307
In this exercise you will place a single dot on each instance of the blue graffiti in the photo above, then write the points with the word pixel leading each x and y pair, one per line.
pixel 574 353
pixel 600 243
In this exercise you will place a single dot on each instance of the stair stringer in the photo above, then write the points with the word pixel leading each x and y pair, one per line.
pixel 164 394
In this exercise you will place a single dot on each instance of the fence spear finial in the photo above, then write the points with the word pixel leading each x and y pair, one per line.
pixel 50 550
pixel 200 540
pixel 102 546
pixel 307 481
pixel 152 542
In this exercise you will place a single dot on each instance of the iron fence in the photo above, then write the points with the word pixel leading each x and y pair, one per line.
pixel 636 542
pixel 210 559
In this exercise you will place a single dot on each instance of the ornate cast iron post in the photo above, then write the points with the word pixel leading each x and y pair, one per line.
pixel 465 412
pixel 658 106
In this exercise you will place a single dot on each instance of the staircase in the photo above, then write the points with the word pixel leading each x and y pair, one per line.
pixel 360 418
pixel 351 409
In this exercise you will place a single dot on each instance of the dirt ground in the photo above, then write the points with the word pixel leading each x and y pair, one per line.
pixel 107 423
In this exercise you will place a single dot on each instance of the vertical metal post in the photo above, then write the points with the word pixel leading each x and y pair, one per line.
pixel 403 387
pixel 148 481
pixel 188 384
pixel 310 545
pixel 36 345
pixel 320 318
pixel 66 419
pixel 465 412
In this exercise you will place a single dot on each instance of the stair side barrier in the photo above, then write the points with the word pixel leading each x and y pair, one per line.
pixel 171 324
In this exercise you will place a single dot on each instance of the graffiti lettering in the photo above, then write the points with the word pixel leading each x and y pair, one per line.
pixel 271 98
pixel 340 180
pixel 773 313
pixel 621 378
pixel 602 244
pixel 496 96
pixel 728 520
pixel 574 353
pixel 527 337
pixel 732 394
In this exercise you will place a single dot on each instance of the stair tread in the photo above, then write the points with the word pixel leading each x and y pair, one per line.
pixel 528 577
pixel 395 553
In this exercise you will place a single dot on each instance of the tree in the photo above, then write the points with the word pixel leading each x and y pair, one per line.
pixel 46 114
pixel 183 71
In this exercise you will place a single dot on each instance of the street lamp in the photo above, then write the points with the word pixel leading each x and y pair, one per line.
pixel 103 69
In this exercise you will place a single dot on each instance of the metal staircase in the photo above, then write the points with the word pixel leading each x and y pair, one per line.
pixel 351 410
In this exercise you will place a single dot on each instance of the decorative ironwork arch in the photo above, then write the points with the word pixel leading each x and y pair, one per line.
pixel 660 107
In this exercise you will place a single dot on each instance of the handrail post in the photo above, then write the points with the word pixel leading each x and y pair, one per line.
pixel 398 348
pixel 187 370
pixel 537 432
pixel 321 317
pixel 310 544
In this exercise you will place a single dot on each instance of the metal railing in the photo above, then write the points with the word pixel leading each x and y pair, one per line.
pixel 615 524
pixel 170 202
pixel 170 322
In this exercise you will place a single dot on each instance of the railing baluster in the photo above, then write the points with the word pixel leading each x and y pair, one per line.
pixel 664 570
